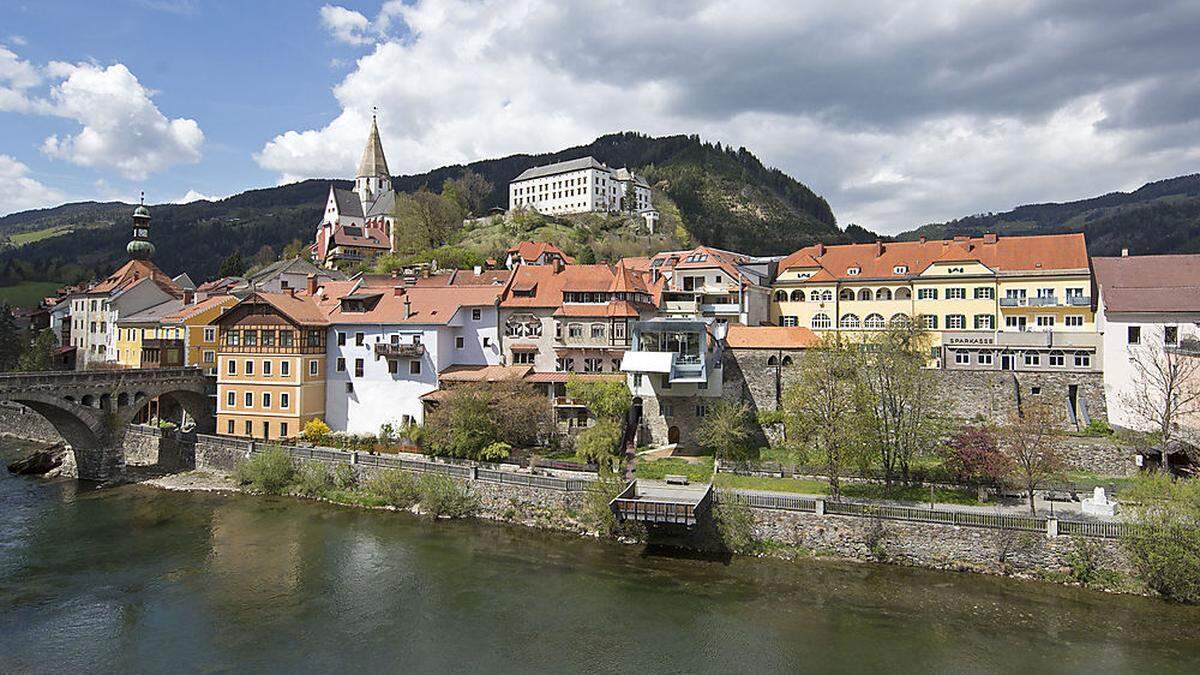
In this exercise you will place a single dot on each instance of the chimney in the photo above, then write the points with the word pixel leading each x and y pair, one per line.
pixel 312 284
pixel 1124 253
pixel 878 248
pixel 291 291
pixel 820 250
pixel 189 296
pixel 478 270
pixel 961 237
pixel 557 264
pixel 397 291
pixel 923 240
pixel 407 307
pixel 989 237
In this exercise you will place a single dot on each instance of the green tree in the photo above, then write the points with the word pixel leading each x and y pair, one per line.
pixel 10 342
pixel 40 354
pixel 725 430
pixel 265 255
pixel 462 425
pixel 1028 440
pixel 1164 545
pixel 295 249
pixel 469 191
pixel 232 266
pixel 605 399
pixel 820 407
pixel 598 444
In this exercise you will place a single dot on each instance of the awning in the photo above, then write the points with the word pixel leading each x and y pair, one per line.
pixel 646 362
pixel 523 348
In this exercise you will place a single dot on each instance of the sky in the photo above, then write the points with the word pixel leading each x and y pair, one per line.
pixel 898 113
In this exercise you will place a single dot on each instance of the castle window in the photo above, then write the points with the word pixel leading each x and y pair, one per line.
pixel 797 296
pixel 821 321
pixel 850 321
pixel 874 321
pixel 883 294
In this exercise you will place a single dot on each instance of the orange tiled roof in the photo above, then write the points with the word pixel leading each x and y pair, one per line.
pixel 532 250
pixel 188 311
pixel 1002 254
pixel 133 272
pixel 412 305
pixel 464 373
pixel 299 308
pixel 771 337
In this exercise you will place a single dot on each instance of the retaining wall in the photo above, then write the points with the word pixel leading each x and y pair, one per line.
pixel 21 422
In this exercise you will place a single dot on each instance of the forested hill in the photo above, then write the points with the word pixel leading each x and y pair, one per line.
pixel 1159 217
pixel 726 198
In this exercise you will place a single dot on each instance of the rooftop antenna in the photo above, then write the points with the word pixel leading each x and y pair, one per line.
pixel 142 199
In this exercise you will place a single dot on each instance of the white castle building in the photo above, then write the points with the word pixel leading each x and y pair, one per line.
pixel 358 223
pixel 582 185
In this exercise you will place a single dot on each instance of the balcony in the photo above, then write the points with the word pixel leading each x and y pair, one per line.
pixel 721 308
pixel 390 350
pixel 1079 300
pixel 1046 301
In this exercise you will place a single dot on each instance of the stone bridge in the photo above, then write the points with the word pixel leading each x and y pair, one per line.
pixel 92 409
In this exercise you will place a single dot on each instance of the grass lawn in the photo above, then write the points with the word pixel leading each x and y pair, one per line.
pixel 701 472
pixel 28 293
pixel 811 487
pixel 855 490
pixel 22 238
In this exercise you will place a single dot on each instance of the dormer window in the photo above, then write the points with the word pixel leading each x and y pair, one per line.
pixel 853 271
pixel 900 269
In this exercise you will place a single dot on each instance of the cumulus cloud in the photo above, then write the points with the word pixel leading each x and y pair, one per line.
pixel 17 77
pixel 899 113
pixel 194 196
pixel 18 191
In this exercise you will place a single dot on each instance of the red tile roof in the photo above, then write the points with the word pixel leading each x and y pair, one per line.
pixel 463 373
pixel 411 305
pixel 771 337
pixel 133 272
pixel 1050 252
pixel 532 250
pixel 1149 283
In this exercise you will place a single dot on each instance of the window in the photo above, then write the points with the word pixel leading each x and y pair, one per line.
pixel 846 294
pixel 250 338
pixel 962 357
pixel 701 410
pixel 788 321
pixel 285 368
pixel 797 296
pixel 231 399
pixel 575 330
pixel 985 358
pixel 1134 335
pixel 781 296
pixel 284 400
pixel 487 341
pixel 956 294
pixel 927 294
pixel 956 321
pixel 229 427
pixel 1033 359
pixel 341 365
pixel 358 367
pixel 637 379
pixel 266 399
pixel 930 321
pixel 985 293
pixel 1170 335
pixel 210 356
pixel 1058 359
pixel 283 430
pixel 864 294
pixel 210 334
pixel 414 367
pixel 853 271
pixel 349 387
pixel 312 367
pixel 476 314
pixel 1073 320
pixel 341 339
pixel 459 342
pixel 266 368
pixel 1083 360
pixel 900 269
pixel 393 366
pixel 874 321
pixel 593 365
pixel 285 338
pixel 821 321
pixel 249 367
pixel 249 428
pixel 1045 321
pixel 232 369
pixel 524 358
pixel 1015 322
pixel 985 322
pixel 359 338
pixel 826 295
pixel 849 321
pixel 249 399
pixel 597 331
pixel 883 294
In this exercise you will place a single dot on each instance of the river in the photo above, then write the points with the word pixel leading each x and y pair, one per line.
pixel 135 579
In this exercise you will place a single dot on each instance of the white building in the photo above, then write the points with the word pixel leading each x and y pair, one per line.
pixel 389 346
pixel 1145 304
pixel 358 223
pixel 582 185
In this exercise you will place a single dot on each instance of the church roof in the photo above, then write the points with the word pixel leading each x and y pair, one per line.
pixel 383 205
pixel 373 162
pixel 348 203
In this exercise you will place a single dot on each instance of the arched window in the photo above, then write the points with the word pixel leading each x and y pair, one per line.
pixel 874 321
pixel 780 296
pixel 771 361
pixel 821 321
pixel 864 294
pixel 901 320
pixel 883 294
pixel 826 295
pixel 797 296
pixel 787 360
pixel 846 294
pixel 903 294
pixel 850 321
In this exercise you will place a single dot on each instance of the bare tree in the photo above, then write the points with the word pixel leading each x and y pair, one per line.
pixel 1028 439
pixel 896 401
pixel 821 405
pixel 1166 386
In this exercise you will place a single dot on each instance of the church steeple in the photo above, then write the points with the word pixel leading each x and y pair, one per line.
pixel 373 177
pixel 139 247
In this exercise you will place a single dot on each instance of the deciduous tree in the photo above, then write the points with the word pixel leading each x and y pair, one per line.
pixel 820 407
pixel 726 429
pixel 1165 387
pixel 1028 440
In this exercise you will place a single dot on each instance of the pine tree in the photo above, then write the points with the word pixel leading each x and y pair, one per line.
pixel 232 266
pixel 10 342
pixel 39 354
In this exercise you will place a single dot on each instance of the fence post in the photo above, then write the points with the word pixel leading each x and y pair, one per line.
pixel 1052 527
pixel 354 458
pixel 474 473
pixel 820 507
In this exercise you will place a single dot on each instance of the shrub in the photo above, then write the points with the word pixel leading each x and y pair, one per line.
pixel 598 443
pixel 315 430
pixel 344 477
pixel 736 526
pixel 769 417
pixel 1097 428
pixel 495 452
pixel 313 479
pixel 596 514
pixel 605 399
pixel 270 472
pixel 973 455
pixel 395 488
pixel 1165 550
pixel 725 430
pixel 441 496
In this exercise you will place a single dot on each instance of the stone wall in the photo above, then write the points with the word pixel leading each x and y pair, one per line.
pixel 1101 455
pixel 219 455
pixel 929 545
pixel 147 446
pixel 21 422
pixel 994 395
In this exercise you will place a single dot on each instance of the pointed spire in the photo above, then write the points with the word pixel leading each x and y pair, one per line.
pixel 373 162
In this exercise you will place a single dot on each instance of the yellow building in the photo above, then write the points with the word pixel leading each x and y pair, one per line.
pixel 196 324
pixel 1008 303
pixel 144 340
pixel 270 366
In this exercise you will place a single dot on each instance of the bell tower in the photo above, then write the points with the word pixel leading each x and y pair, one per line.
pixel 373 177
pixel 139 247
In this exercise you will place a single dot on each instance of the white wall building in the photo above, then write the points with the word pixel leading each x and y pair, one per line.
pixel 387 347
pixel 581 185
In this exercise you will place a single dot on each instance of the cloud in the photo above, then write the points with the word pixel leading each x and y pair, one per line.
pixel 898 113
pixel 194 196
pixel 17 77
pixel 346 25
pixel 19 192
pixel 122 128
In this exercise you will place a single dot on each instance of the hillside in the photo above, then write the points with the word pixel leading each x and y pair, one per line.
pixel 1159 217
pixel 725 198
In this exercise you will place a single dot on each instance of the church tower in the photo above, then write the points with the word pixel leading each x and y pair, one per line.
pixel 139 247
pixel 373 177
